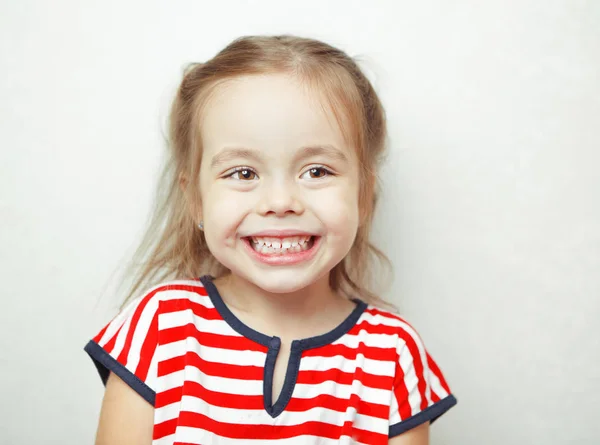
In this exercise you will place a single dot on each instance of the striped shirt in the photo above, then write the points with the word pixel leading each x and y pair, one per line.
pixel 209 376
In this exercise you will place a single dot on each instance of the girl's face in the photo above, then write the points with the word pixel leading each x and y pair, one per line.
pixel 279 185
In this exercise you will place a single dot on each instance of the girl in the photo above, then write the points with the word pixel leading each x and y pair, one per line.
pixel 263 328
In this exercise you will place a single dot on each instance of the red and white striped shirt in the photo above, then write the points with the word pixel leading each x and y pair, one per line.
pixel 209 376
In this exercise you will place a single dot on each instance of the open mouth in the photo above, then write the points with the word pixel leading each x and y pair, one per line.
pixel 280 245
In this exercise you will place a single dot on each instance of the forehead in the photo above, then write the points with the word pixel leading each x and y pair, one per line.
pixel 274 112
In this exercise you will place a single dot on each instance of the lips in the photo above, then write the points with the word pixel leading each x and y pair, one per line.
pixel 281 245
pixel 282 250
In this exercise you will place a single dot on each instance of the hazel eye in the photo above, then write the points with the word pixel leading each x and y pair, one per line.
pixel 316 173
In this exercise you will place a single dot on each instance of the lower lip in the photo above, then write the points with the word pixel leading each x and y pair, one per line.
pixel 286 258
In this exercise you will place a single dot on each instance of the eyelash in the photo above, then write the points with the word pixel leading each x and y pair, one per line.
pixel 241 169
pixel 238 170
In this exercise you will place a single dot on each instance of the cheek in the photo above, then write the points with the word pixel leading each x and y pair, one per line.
pixel 339 211
pixel 223 211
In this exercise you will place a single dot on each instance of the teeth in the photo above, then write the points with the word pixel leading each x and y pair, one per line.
pixel 269 245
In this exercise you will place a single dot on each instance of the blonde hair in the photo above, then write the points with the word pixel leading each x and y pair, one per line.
pixel 173 247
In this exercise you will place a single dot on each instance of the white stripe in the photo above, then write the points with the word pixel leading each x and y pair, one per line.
pixel 121 337
pixel 394 411
pixel 181 294
pixel 210 354
pixel 167 294
pixel 261 417
pixel 223 384
pixel 421 348
pixel 167 440
pixel 410 380
pixel 167 412
pixel 257 358
pixel 368 339
pixel 379 319
pixel 376 367
pixel 227 356
pixel 340 391
pixel 141 332
pixel 118 321
pixel 201 436
pixel 182 318
pixel 152 373
pixel 399 322
pixel 171 350
pixel 436 386
pixel 170 381
pixel 255 387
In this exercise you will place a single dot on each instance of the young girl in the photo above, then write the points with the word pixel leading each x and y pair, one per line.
pixel 265 331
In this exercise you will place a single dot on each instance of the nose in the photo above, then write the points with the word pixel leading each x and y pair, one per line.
pixel 280 198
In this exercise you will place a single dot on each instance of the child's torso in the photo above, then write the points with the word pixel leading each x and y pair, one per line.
pixel 220 383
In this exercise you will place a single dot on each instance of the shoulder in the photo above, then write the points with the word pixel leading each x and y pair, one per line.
pixel 179 290
pixel 127 345
pixel 143 309
pixel 394 322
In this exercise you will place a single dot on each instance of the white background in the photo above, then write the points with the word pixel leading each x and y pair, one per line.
pixel 491 212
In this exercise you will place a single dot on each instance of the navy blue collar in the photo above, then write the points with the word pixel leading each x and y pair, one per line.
pixel 268 341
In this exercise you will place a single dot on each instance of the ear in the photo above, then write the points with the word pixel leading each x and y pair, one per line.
pixel 194 206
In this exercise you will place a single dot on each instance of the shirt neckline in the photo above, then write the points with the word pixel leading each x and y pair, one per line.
pixel 273 341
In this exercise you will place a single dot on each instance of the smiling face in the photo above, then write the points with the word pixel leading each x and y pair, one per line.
pixel 279 183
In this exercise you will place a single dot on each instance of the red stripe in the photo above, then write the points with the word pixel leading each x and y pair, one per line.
pixel 180 304
pixel 436 370
pixel 148 349
pixel 221 341
pixel 215 398
pixel 164 429
pixel 385 314
pixel 191 358
pixel 369 437
pixel 122 358
pixel 167 397
pixel 373 329
pixel 100 334
pixel 370 352
pixel 272 432
pixel 110 345
pixel 327 401
pixel 344 378
pixel 256 402
pixel 401 394
pixel 234 401
pixel 142 305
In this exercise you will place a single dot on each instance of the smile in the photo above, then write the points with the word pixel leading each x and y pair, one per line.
pixel 282 249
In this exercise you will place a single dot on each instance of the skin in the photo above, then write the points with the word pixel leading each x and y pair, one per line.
pixel 272 118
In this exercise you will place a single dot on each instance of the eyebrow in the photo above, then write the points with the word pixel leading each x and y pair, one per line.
pixel 231 153
pixel 321 150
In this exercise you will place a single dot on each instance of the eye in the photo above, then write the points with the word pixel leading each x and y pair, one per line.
pixel 316 172
pixel 242 174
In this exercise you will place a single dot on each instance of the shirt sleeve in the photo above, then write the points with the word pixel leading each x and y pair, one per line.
pixel 127 345
pixel 420 392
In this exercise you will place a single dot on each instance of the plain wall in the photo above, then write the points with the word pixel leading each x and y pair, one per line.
pixel 490 211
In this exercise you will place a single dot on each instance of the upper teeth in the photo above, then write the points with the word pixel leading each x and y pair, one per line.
pixel 279 243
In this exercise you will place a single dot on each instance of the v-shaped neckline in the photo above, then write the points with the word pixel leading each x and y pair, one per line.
pixel 273 345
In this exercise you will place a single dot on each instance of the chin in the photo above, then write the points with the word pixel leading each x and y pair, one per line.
pixel 282 282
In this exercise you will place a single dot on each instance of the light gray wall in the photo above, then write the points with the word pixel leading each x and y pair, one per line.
pixel 491 211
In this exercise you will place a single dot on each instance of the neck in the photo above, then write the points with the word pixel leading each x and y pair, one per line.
pixel 291 309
